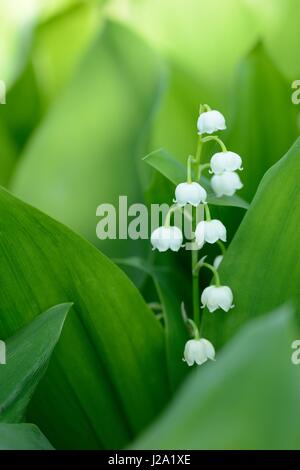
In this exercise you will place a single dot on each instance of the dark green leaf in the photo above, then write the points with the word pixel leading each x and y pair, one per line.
pixel 109 369
pixel 169 287
pixel 27 356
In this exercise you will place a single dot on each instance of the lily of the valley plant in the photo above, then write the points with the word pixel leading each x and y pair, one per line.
pixel 224 182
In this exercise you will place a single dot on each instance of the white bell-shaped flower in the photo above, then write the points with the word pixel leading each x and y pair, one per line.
pixel 190 193
pixel 210 231
pixel 225 161
pixel 214 297
pixel 167 238
pixel 198 351
pixel 217 261
pixel 226 184
pixel 210 122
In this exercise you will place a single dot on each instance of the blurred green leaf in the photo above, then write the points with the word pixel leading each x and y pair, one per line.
pixel 109 369
pixel 261 264
pixel 27 356
pixel 179 111
pixel 278 23
pixel 75 27
pixel 264 122
pixel 247 399
pixel 22 437
pixel 84 153
pixel 17 27
pixel 8 152
pixel 22 112
pixel 175 171
pixel 206 38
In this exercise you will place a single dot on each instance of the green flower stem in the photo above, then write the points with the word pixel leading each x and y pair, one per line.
pixel 190 161
pixel 222 247
pixel 207 212
pixel 196 294
pixel 205 107
pixel 194 328
pixel 216 139
pixel 202 264
pixel 172 209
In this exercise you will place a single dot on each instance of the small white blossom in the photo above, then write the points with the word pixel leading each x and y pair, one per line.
pixel 210 122
pixel 214 297
pixel 226 184
pixel 218 260
pixel 210 231
pixel 225 161
pixel 165 238
pixel 198 351
pixel 190 193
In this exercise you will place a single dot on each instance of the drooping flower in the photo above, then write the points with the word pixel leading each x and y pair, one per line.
pixel 166 238
pixel 190 193
pixel 226 184
pixel 210 231
pixel 210 122
pixel 198 351
pixel 214 297
pixel 225 161
pixel 217 261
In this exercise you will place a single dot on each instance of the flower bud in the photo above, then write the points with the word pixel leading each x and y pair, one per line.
pixel 190 193
pixel 226 184
pixel 198 351
pixel 225 161
pixel 210 122
pixel 210 231
pixel 165 238
pixel 218 260
pixel 214 297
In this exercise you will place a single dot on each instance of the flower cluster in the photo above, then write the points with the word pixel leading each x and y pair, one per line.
pixel 224 182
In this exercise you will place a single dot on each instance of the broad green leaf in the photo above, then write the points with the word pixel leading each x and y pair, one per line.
pixel 261 264
pixel 175 172
pixel 27 356
pixel 247 399
pixel 107 378
pixel 84 153
pixel 261 135
pixel 169 285
pixel 22 437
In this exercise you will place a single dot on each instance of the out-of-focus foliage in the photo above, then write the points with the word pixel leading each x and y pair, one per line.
pixel 278 23
pixel 84 153
pixel 261 103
